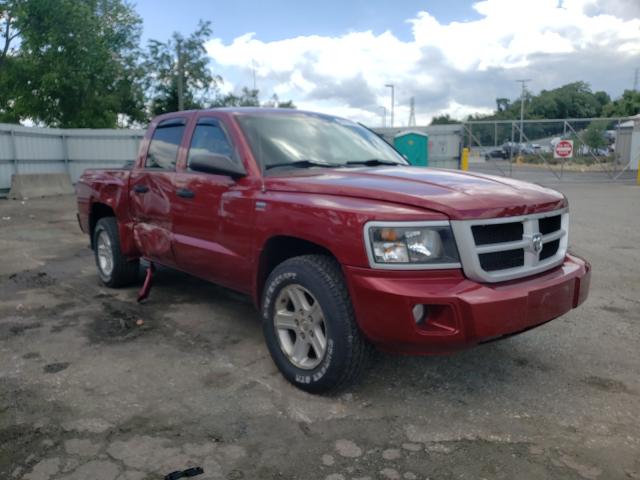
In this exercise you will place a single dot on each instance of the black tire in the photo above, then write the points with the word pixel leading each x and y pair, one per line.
pixel 348 353
pixel 124 271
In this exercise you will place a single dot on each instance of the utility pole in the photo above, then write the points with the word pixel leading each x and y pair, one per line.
pixel 635 80
pixel 384 116
pixel 253 70
pixel 393 100
pixel 180 76
pixel 412 112
pixel 524 90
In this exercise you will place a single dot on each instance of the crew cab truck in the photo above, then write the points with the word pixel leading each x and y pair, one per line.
pixel 341 244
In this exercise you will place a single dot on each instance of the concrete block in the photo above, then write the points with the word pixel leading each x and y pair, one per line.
pixel 30 185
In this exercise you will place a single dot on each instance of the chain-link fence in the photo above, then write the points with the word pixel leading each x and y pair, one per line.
pixel 602 148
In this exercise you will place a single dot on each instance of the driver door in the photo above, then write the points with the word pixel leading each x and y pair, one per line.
pixel 212 213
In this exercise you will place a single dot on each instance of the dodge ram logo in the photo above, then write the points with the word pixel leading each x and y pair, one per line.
pixel 536 242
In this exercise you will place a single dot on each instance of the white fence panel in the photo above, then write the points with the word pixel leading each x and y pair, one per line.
pixel 53 150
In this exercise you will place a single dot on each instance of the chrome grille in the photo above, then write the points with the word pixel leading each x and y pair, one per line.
pixel 501 249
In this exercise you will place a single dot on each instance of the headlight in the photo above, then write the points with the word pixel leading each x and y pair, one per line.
pixel 411 245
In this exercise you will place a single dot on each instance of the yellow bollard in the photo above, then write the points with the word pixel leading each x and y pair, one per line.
pixel 464 162
pixel 638 177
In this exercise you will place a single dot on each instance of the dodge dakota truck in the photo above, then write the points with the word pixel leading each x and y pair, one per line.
pixel 341 244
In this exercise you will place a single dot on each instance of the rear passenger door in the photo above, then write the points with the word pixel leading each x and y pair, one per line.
pixel 213 213
pixel 153 192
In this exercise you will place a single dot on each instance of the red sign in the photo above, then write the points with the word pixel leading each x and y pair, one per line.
pixel 563 149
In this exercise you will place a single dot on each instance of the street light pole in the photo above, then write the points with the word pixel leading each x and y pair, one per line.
pixel 393 102
pixel 524 89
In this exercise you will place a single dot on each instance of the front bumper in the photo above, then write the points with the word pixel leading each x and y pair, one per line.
pixel 461 312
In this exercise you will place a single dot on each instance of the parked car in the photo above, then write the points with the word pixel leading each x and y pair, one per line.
pixel 496 153
pixel 341 244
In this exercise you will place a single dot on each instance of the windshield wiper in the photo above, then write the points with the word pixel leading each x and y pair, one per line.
pixel 303 164
pixel 373 162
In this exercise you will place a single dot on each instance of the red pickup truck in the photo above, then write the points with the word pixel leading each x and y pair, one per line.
pixel 341 244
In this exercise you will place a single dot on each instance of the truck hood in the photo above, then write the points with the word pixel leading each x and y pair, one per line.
pixel 459 195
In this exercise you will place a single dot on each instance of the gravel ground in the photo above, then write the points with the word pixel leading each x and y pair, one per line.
pixel 94 386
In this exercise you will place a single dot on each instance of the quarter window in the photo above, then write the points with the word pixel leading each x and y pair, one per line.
pixel 163 150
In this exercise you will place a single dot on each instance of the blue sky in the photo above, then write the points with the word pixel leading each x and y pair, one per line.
pixel 454 57
pixel 279 19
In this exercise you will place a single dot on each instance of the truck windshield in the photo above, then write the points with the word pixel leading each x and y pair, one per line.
pixel 304 140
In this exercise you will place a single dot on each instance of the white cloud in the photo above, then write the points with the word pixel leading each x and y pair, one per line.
pixel 457 68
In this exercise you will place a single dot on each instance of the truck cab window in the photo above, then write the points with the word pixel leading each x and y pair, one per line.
pixel 210 138
pixel 163 150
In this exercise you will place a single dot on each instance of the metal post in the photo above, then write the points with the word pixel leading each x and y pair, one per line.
pixel 393 100
pixel 384 116
pixel 495 134
pixel 65 153
pixel 564 134
pixel 465 160
pixel 513 135
pixel 524 89
pixel 14 151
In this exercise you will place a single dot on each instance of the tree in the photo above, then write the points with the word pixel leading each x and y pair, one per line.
pixel 625 106
pixel 8 30
pixel 594 135
pixel 179 69
pixel 249 98
pixel 502 104
pixel 76 63
pixel 444 120
pixel 8 35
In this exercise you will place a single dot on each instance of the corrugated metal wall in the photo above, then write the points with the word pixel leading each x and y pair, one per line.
pixel 53 150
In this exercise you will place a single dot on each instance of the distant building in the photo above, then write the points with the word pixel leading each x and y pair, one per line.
pixel 628 143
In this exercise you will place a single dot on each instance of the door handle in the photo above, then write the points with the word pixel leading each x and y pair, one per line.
pixel 140 188
pixel 185 193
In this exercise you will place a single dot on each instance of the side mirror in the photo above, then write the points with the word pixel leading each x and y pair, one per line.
pixel 214 163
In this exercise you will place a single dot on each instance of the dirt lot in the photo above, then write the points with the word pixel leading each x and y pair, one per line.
pixel 96 387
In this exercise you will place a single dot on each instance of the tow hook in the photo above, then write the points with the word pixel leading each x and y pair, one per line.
pixel 146 286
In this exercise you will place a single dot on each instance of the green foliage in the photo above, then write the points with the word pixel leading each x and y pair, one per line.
pixel 574 100
pixel 76 63
pixel 8 66
pixel 165 61
pixel 502 104
pixel 8 30
pixel 443 120
pixel 249 98
pixel 594 135
pixel 626 106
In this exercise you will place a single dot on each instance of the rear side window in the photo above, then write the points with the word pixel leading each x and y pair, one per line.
pixel 163 149
pixel 209 138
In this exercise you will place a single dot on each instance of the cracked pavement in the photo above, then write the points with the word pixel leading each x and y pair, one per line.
pixel 95 386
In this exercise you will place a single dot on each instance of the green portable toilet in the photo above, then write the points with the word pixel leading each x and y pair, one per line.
pixel 414 146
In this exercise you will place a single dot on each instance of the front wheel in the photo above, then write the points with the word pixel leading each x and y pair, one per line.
pixel 309 325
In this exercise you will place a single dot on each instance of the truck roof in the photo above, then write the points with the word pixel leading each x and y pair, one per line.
pixel 249 110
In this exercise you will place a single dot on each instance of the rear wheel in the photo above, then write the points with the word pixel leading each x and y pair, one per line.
pixel 309 325
pixel 114 269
